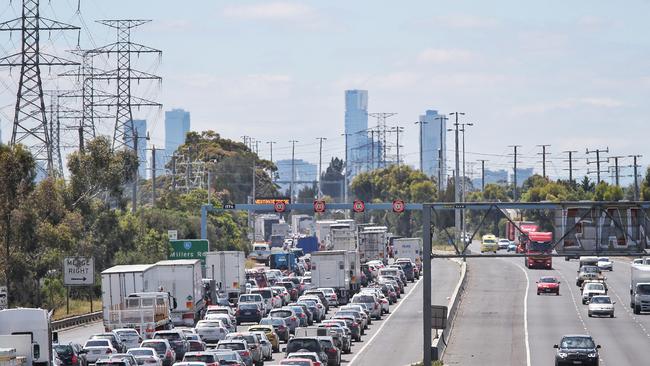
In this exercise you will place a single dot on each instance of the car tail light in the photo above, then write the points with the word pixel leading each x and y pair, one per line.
pixel 246 354
pixel 237 312
pixel 281 327
pixel 168 354
pixel 302 315
pixel 74 359
pixel 331 350
pixel 293 318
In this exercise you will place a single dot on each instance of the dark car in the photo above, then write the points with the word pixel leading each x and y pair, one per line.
pixel 321 296
pixel 577 350
pixel 176 339
pixel 408 269
pixel 291 288
pixel 248 312
pixel 70 354
pixel 333 353
pixel 311 344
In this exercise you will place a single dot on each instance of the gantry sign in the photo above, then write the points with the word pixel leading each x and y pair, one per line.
pixel 581 228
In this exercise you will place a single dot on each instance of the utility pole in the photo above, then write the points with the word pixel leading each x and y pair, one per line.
pixel 543 154
pixel 482 174
pixel 422 123
pixel 441 150
pixel 347 171
pixel 293 167
pixel 30 125
pixel 570 160
pixel 271 146
pixel 320 164
pixel 174 171
pixel 464 178
pixel 616 170
pixel 597 161
pixel 636 176
pixel 514 176
pixel 456 174
pixel 398 130
pixel 153 176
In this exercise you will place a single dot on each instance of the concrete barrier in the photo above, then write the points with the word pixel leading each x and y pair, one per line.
pixel 74 321
pixel 440 344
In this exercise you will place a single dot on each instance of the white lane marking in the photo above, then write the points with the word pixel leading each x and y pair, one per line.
pixel 575 303
pixel 526 313
pixel 369 341
pixel 627 310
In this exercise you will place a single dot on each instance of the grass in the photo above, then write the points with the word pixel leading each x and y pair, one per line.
pixel 442 247
pixel 77 307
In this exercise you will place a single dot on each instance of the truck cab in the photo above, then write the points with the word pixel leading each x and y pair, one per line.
pixel 640 288
pixel 539 248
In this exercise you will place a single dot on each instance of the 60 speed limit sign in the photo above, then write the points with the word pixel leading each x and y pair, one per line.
pixel 319 206
pixel 398 206
pixel 279 206
pixel 358 206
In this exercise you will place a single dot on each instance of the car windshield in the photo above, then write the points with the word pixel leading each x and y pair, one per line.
pixel 266 294
pixel 601 300
pixel 160 347
pixel 168 336
pixel 249 298
pixel 577 342
pixel 207 358
pixel 63 350
pixel 297 344
pixel 227 356
pixel 232 346
pixel 603 259
pixel 141 352
pixel 128 334
pixel 595 287
pixel 280 314
pixel 208 324
pixel 362 299
pixel 248 306
pixel 548 280
pixel 110 363
pixel 643 289
pixel 250 338
pixel 271 321
pixel 97 343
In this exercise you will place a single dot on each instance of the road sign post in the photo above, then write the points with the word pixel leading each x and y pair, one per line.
pixel 78 271
pixel 4 298
pixel 172 234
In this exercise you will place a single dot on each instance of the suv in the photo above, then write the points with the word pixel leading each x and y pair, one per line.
pixel 289 317
pixel 248 312
pixel 70 354
pixel 97 348
pixel 588 273
pixel 130 337
pixel 115 339
pixel 576 349
pixel 370 303
pixel 311 344
pixel 408 268
pixel 592 289
pixel 254 345
pixel 267 295
pixel 163 349
pixel 238 345
pixel 176 339
pixel 321 296
pixel 253 299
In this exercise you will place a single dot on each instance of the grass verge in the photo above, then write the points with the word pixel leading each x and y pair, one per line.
pixel 77 307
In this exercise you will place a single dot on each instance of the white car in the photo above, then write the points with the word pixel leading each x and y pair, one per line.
pixel 98 348
pixel 265 344
pixel 211 331
pixel 330 296
pixel 503 243
pixel 145 356
pixel 130 337
pixel 591 289
pixel 225 320
pixel 217 309
pixel 605 264
pixel 601 305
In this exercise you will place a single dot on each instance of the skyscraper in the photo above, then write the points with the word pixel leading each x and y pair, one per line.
pixel 140 126
pixel 306 175
pixel 356 124
pixel 177 125
pixel 434 145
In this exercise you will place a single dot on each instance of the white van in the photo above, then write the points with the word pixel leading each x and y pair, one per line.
pixel 261 252
pixel 22 326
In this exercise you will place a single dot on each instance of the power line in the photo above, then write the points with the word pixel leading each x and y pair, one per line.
pixel 598 161
pixel 543 154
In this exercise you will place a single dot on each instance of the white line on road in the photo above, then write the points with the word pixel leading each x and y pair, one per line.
pixel 369 341
pixel 526 313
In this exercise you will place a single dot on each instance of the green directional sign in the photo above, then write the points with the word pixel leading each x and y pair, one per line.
pixel 189 249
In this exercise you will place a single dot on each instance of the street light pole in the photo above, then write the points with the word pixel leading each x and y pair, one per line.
pixel 456 174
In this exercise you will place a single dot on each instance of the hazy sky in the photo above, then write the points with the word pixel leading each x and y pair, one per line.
pixel 573 74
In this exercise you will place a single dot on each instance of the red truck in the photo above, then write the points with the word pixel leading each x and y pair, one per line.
pixel 539 247
pixel 520 237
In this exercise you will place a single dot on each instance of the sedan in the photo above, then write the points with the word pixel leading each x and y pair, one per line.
pixel 211 331
pixel 146 356
pixel 601 305
pixel 98 348
pixel 503 243
pixel 576 350
pixel 605 264
pixel 548 285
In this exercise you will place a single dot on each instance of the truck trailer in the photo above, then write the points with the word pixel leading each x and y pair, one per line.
pixel 228 270
pixel 331 268
pixel 182 278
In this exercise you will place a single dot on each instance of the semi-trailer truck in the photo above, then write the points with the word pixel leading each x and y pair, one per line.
pixel 228 270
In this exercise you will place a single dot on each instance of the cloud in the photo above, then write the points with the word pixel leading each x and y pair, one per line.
pixel 240 87
pixel 466 21
pixel 441 55
pixel 269 11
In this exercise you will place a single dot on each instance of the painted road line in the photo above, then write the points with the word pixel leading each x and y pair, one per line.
pixel 526 314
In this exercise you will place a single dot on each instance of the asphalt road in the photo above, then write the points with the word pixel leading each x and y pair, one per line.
pixel 495 323
pixel 399 330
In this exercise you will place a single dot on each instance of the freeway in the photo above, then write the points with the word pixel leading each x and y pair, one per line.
pixel 499 323
pixel 378 344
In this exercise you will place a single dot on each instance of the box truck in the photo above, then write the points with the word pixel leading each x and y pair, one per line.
pixel 372 242
pixel 640 288
pixel 228 270
pixel 118 282
pixel 182 278
pixel 331 268
pixel 343 239
pixel 410 248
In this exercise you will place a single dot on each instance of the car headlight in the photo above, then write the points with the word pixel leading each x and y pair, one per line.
pixel 562 355
pixel 592 355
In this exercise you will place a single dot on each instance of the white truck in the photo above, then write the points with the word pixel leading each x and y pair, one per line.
pixel 343 239
pixel 118 282
pixel 640 288
pixel 410 248
pixel 227 269
pixel 182 278
pixel 372 243
pixel 354 264
pixel 323 232
pixel 331 268
pixel 29 333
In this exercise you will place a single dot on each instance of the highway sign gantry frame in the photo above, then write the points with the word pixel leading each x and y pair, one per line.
pixel 78 271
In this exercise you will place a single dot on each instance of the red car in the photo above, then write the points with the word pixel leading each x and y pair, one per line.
pixel 548 285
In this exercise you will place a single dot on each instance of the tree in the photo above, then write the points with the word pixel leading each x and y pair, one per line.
pixel 333 178
pixel 607 192
pixel 587 185
pixel 645 187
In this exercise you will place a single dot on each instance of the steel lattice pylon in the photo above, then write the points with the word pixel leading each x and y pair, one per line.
pixel 124 74
pixel 30 125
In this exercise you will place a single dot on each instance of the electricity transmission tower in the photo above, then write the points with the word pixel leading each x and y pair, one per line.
pixel 124 75
pixel 30 125
pixel 382 136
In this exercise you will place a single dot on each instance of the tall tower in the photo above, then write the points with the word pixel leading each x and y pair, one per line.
pixel 434 145
pixel 356 126
pixel 123 74
pixel 30 126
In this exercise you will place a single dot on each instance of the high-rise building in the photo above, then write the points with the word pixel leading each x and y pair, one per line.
pixel 499 177
pixel 140 126
pixel 359 147
pixel 434 145
pixel 306 174
pixel 177 125
pixel 522 175
pixel 161 161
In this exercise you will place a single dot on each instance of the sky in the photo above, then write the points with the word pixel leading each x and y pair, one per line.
pixel 572 74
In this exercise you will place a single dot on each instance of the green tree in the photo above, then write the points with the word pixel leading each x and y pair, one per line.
pixel 332 179
pixel 645 187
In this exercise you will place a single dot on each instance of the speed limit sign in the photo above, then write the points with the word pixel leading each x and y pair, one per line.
pixel 358 206
pixel 398 206
pixel 279 206
pixel 319 206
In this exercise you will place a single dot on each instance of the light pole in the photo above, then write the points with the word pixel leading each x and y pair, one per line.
pixel 457 197
pixel 441 153
pixel 320 164
pixel 347 169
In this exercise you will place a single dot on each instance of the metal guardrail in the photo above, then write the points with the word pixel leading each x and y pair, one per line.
pixel 73 321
